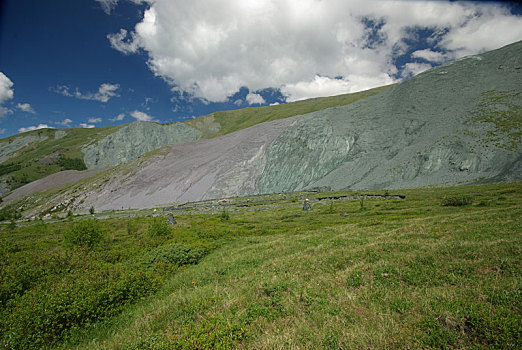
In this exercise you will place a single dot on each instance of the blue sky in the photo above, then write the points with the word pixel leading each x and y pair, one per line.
pixel 87 63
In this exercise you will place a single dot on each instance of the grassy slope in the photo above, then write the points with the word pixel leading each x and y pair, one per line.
pixel 69 145
pixel 235 120
pixel 402 273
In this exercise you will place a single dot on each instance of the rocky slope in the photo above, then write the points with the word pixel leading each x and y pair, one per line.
pixel 133 140
pixel 457 123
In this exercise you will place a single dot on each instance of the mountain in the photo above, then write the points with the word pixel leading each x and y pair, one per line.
pixel 33 155
pixel 454 124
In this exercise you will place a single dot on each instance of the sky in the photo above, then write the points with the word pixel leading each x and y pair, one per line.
pixel 91 63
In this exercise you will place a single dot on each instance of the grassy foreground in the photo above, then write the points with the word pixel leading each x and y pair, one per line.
pixel 379 274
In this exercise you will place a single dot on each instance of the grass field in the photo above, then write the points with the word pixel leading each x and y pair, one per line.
pixel 395 273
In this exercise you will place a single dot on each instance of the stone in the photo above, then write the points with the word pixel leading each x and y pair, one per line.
pixel 307 205
pixel 171 220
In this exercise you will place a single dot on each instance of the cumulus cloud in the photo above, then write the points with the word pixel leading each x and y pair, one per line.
pixel 87 126
pixel 119 117
pixel 253 99
pixel 210 49
pixel 2 131
pixel 31 128
pixel 95 120
pixel 6 88
pixel 6 93
pixel 25 107
pixel 105 92
pixel 141 116
pixel 65 122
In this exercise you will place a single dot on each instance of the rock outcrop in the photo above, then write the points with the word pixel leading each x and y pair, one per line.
pixel 133 140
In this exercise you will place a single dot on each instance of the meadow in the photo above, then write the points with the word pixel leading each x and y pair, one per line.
pixel 437 269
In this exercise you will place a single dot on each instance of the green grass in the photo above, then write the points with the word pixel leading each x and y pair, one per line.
pixel 45 157
pixel 406 273
pixel 503 110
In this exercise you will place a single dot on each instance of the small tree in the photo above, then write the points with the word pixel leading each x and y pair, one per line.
pixel 91 210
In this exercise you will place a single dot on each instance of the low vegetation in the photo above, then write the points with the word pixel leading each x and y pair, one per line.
pixel 457 201
pixel 402 273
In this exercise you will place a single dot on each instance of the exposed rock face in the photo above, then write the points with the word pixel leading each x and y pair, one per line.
pixel 421 132
pixel 133 140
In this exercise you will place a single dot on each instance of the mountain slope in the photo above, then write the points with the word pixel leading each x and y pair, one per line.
pixel 30 156
pixel 457 123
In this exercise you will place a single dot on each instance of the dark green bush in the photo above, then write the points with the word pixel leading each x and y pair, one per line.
pixel 9 168
pixel 45 315
pixel 456 201
pixel 84 234
pixel 158 227
pixel 71 163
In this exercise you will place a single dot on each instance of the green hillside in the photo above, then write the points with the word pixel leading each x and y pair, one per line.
pixel 437 269
pixel 44 152
pixel 230 121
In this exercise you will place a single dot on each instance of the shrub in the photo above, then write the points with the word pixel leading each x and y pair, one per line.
pixel 45 315
pixel 84 234
pixel 456 201
pixel 91 210
pixel 158 227
pixel 71 163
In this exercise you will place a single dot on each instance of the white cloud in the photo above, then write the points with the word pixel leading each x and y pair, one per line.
pixel 6 93
pixel 319 87
pixel 87 126
pixel 107 5
pixel 255 99
pixel 31 128
pixel 65 122
pixel 144 117
pixel 413 68
pixel 25 107
pixel 2 131
pixel 124 42
pixel 210 49
pixel 95 120
pixel 5 111
pixel 6 88
pixel 105 92
pixel 429 55
pixel 118 117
